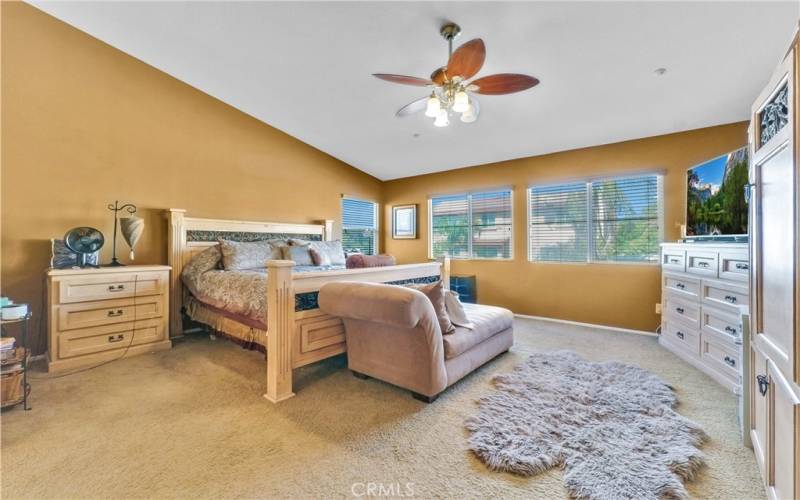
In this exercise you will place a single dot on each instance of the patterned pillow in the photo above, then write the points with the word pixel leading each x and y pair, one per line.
pixel 299 254
pixel 205 261
pixel 240 255
pixel 333 249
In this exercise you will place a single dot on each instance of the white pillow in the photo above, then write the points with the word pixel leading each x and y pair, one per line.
pixel 456 311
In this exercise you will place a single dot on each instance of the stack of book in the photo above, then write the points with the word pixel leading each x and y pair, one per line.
pixel 7 347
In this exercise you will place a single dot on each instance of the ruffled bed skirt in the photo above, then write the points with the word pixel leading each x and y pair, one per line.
pixel 247 336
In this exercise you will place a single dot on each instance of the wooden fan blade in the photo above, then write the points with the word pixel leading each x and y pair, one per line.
pixel 467 60
pixel 404 80
pixel 412 107
pixel 504 83
pixel 439 76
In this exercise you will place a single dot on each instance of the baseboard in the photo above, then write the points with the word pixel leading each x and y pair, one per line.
pixel 591 325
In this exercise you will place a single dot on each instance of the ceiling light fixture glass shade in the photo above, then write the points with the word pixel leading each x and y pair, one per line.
pixel 460 102
pixel 433 107
pixel 441 119
pixel 468 116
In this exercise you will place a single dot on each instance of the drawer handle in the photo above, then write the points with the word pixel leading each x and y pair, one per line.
pixel 731 362
pixel 113 314
pixel 730 298
pixel 116 288
pixel 703 264
pixel 731 330
pixel 763 384
pixel 674 261
pixel 116 338
pixel 680 310
pixel 742 266
pixel 679 334
pixel 680 285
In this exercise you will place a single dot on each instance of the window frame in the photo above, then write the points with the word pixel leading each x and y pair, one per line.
pixel 469 194
pixel 590 244
pixel 376 208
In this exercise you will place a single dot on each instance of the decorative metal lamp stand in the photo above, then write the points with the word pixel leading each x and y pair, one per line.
pixel 117 208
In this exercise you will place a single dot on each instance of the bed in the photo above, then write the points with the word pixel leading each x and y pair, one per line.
pixel 289 326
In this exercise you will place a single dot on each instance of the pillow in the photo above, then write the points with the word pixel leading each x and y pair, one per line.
pixel 435 293
pixel 359 260
pixel 333 249
pixel 239 255
pixel 455 309
pixel 203 262
pixel 299 254
pixel 319 258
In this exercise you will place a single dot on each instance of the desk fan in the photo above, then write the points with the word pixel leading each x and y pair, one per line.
pixel 84 241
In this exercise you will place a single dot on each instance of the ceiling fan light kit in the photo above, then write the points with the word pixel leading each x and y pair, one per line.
pixel 451 91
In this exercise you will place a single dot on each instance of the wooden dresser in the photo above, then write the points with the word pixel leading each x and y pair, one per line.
pixel 704 287
pixel 98 315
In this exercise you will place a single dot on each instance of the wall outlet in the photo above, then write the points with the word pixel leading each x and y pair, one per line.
pixel 658 308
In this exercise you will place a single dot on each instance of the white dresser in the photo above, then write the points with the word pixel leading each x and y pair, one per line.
pixel 704 288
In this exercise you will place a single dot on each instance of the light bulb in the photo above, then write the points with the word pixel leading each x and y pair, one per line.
pixel 432 110
pixel 468 116
pixel 460 102
pixel 441 119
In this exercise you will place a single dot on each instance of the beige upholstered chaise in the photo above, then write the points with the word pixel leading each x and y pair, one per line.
pixel 393 335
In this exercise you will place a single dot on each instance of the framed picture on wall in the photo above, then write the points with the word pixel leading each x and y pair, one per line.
pixel 404 222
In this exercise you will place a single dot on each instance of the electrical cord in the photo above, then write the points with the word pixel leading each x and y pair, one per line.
pixel 124 353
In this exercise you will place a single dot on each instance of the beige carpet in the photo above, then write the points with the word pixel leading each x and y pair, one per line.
pixel 191 422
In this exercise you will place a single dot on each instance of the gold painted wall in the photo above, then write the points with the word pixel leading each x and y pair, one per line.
pixel 84 124
pixel 622 295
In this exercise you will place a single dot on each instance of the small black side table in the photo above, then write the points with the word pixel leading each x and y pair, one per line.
pixel 466 287
pixel 21 356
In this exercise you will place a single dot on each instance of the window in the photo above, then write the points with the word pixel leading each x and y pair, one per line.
pixel 359 226
pixel 471 225
pixel 603 220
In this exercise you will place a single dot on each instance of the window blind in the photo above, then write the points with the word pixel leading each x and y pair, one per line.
pixel 359 226
pixel 626 219
pixel 558 218
pixel 605 220
pixel 472 225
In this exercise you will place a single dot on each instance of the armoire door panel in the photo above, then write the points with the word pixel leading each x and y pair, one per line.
pixel 776 263
pixel 783 410
pixel 758 410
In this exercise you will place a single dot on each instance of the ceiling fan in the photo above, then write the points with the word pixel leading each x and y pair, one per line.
pixel 450 89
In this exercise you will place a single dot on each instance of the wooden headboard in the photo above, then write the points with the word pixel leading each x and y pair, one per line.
pixel 191 235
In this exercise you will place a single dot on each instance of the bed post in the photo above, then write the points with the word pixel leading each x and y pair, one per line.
pixel 280 327
pixel 445 271
pixel 328 223
pixel 176 241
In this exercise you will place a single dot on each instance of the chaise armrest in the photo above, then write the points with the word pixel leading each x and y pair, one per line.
pixel 390 305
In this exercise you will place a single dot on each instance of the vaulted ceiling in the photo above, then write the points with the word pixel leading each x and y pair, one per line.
pixel 304 68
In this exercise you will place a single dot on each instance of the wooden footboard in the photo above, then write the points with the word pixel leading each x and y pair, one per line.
pixel 298 333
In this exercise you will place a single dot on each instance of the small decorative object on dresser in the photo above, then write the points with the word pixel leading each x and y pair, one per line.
pixel 84 242
pixel 703 295
pixel 117 208
pixel 99 315
pixel 404 222
pixel 132 229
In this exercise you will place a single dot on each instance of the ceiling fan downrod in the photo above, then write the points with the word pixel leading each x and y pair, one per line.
pixel 450 31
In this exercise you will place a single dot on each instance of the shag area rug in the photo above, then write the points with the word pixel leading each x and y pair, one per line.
pixel 611 426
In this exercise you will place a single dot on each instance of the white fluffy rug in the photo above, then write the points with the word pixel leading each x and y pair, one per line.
pixel 611 426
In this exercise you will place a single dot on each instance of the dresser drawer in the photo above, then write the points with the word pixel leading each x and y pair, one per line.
pixel 734 266
pixel 701 263
pixel 74 343
pixel 679 335
pixel 673 260
pixel 682 310
pixel 722 358
pixel 726 296
pixel 106 312
pixel 681 285
pixel 86 288
pixel 720 323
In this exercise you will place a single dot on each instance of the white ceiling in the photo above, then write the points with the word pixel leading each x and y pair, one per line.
pixel 304 67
